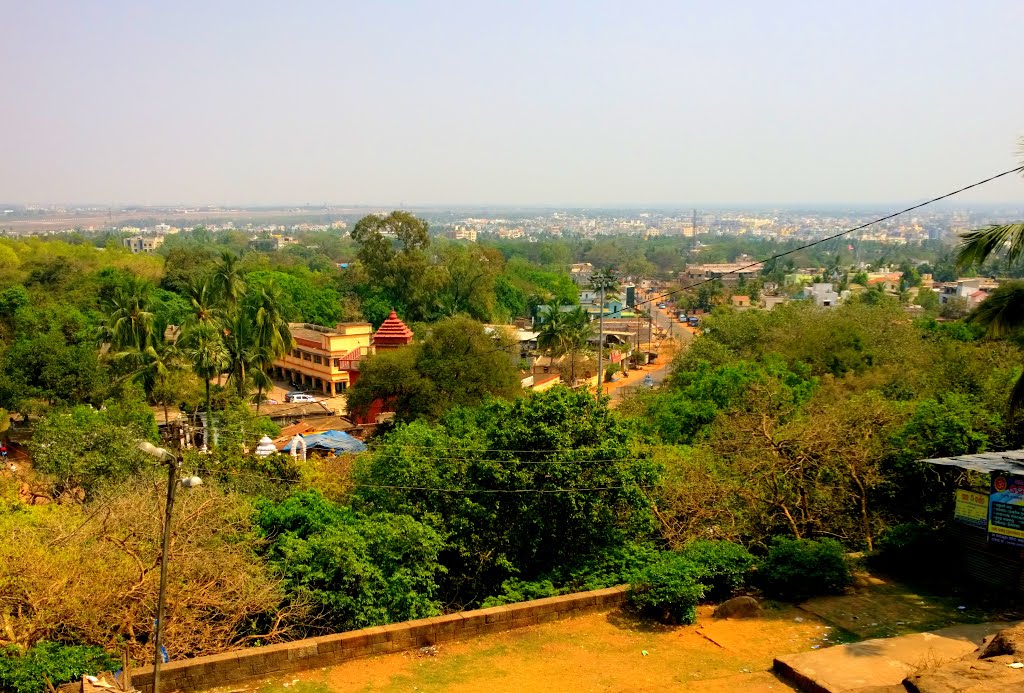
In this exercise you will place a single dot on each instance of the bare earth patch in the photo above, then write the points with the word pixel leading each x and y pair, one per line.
pixel 605 652
pixel 597 652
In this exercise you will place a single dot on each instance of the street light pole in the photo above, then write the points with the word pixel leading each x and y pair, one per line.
pixel 600 346
pixel 172 484
pixel 173 465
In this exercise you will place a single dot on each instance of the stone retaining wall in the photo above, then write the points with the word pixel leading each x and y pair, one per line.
pixel 257 662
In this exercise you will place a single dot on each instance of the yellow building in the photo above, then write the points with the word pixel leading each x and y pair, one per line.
pixel 323 357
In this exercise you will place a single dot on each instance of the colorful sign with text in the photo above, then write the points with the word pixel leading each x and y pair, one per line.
pixel 971 508
pixel 1006 510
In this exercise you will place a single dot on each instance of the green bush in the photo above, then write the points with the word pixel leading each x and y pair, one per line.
pixel 22 671
pixel 514 590
pixel 724 567
pixel 668 589
pixel 796 569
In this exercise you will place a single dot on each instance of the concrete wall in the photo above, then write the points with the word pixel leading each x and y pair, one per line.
pixel 258 662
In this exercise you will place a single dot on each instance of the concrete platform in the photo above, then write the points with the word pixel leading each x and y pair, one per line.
pixel 880 663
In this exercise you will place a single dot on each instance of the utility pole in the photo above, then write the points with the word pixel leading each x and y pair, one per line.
pixel 602 281
pixel 694 229
pixel 600 345
pixel 172 484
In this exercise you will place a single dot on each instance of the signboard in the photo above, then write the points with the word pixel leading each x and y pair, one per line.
pixel 1006 510
pixel 971 508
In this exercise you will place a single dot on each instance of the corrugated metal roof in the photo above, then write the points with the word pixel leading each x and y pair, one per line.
pixel 1006 461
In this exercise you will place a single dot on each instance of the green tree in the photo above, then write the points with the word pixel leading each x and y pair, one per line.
pixel 356 570
pixel 517 486
pixel 203 346
pixel 404 273
pixel 457 364
pixel 82 448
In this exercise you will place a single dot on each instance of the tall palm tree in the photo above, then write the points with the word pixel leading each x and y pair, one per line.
pixel 245 354
pixel 576 339
pixel 203 346
pixel 203 301
pixel 148 366
pixel 564 333
pixel 272 335
pixel 130 322
pixel 227 279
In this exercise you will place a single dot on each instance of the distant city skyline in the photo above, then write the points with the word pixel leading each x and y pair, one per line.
pixel 543 105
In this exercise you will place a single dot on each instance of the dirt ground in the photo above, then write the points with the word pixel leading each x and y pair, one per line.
pixel 615 651
pixel 610 651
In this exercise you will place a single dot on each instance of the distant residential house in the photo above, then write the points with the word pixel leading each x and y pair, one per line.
pixel 729 273
pixel 274 242
pixel 740 301
pixel 581 272
pixel 973 290
pixel 889 281
pixel 143 244
pixel 769 302
pixel 462 233
pixel 822 294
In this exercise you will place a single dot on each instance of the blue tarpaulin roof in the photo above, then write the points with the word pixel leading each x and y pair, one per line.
pixel 332 441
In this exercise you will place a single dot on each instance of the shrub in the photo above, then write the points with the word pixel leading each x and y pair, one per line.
pixel 724 567
pixel 668 589
pixel 796 569
pixel 514 590
pixel 21 671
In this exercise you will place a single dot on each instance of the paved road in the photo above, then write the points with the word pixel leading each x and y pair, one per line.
pixel 658 371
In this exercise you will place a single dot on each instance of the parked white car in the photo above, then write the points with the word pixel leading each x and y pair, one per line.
pixel 298 397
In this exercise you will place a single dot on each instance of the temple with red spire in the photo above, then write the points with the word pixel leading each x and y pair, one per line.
pixel 392 334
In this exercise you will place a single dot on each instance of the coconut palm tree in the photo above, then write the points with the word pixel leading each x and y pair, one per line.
pixel 272 335
pixel 203 300
pixel 565 333
pixel 148 366
pixel 227 281
pixel 244 354
pixel 130 322
pixel 578 331
pixel 203 346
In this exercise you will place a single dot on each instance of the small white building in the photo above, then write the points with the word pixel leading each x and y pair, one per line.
pixel 822 294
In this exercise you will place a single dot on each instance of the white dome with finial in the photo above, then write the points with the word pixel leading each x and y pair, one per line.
pixel 266 447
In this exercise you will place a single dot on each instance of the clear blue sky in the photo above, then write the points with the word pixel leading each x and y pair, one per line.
pixel 522 103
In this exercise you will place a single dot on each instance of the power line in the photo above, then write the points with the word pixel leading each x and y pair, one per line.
pixel 437 489
pixel 865 225
pixel 833 237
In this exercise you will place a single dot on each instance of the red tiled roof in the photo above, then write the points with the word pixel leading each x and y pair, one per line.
pixel 393 328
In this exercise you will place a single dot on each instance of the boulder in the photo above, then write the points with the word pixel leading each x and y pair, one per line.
pixel 738 607
pixel 1008 641
pixel 967 676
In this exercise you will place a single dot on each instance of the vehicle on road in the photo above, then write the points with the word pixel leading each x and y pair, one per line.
pixel 298 398
pixel 662 306
pixel 648 381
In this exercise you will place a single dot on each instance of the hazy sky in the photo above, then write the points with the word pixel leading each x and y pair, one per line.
pixel 518 103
